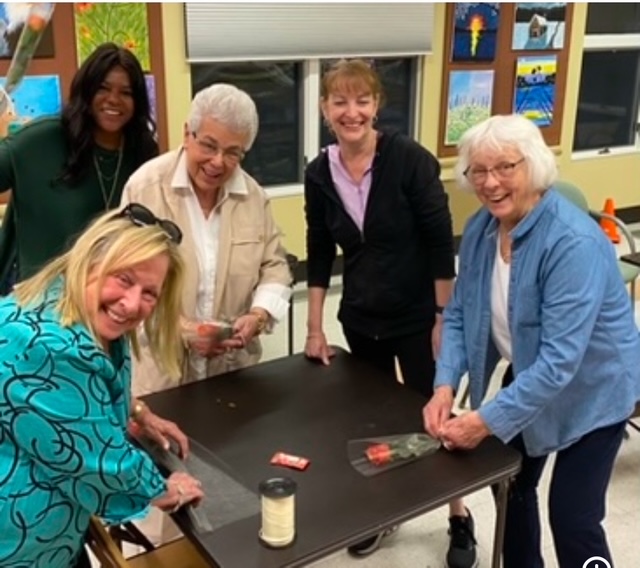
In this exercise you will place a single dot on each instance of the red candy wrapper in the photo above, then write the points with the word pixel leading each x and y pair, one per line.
pixel 287 460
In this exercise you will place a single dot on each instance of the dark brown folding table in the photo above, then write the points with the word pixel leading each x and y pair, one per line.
pixel 306 409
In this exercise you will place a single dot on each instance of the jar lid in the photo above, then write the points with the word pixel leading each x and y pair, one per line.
pixel 277 487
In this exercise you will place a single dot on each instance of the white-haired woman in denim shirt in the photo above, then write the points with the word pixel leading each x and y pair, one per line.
pixel 539 286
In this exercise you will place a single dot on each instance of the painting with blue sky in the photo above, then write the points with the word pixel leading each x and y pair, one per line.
pixel 539 25
pixel 470 98
pixel 36 96
pixel 475 31
pixel 535 89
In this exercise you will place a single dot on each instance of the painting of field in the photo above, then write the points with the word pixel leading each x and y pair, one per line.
pixel 470 98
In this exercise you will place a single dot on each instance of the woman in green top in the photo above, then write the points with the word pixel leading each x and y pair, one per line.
pixel 64 171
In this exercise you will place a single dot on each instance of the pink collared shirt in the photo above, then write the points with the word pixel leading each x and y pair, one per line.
pixel 354 196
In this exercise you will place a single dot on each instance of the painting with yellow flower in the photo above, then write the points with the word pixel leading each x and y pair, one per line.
pixel 124 23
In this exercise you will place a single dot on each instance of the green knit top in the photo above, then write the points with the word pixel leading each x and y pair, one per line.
pixel 46 215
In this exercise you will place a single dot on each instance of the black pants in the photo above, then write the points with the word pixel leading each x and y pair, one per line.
pixel 577 492
pixel 413 352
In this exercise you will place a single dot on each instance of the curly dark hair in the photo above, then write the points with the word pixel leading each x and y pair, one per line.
pixel 77 118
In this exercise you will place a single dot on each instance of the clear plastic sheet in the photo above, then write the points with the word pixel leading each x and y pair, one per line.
pixel 371 456
pixel 226 500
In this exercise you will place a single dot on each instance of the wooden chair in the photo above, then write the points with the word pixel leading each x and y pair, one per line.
pixel 176 553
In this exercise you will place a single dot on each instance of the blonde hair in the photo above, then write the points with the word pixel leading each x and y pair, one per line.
pixel 111 244
pixel 351 75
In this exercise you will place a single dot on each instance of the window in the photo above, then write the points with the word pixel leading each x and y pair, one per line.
pixel 276 155
pixel 287 95
pixel 398 82
pixel 608 98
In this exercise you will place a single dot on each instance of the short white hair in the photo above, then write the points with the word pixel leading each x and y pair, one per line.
pixel 227 105
pixel 502 132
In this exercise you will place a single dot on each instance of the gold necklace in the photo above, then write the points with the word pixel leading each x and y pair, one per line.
pixel 107 197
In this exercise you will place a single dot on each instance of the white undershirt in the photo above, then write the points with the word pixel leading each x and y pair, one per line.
pixel 272 297
pixel 499 305
pixel 206 232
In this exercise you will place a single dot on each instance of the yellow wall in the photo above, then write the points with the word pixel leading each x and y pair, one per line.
pixel 600 178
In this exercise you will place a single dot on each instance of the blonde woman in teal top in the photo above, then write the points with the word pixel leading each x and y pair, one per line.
pixel 65 403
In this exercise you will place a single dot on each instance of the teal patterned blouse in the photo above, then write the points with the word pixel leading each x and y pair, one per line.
pixel 64 452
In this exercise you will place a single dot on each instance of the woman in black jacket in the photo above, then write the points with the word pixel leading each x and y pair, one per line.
pixel 379 197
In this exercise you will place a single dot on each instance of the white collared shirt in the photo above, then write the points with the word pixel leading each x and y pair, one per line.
pixel 272 297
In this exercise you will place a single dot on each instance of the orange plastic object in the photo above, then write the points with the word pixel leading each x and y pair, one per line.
pixel 608 226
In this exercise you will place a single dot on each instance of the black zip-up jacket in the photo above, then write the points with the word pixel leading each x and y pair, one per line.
pixel 406 242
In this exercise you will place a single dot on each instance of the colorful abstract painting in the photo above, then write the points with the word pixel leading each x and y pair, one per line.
pixel 475 31
pixel 539 25
pixel 470 98
pixel 36 96
pixel 13 16
pixel 123 23
pixel 535 89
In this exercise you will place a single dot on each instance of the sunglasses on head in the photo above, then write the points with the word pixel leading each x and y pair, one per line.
pixel 142 217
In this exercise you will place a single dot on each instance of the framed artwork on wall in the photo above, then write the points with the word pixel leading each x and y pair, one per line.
pixel 124 23
pixel 13 17
pixel 535 88
pixel 539 25
pixel 475 30
pixel 469 102
pixel 528 71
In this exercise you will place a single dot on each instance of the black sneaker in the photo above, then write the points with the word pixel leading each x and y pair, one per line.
pixel 462 547
pixel 369 545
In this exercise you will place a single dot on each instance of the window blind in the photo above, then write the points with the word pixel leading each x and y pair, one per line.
pixel 284 31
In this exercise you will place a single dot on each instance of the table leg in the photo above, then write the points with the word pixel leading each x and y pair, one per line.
pixel 501 517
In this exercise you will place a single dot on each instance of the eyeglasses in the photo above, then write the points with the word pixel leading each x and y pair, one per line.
pixel 501 171
pixel 142 217
pixel 231 156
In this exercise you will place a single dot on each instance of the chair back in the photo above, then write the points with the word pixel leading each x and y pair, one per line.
pixel 573 194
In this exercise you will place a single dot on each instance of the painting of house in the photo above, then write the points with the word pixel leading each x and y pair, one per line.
pixel 539 25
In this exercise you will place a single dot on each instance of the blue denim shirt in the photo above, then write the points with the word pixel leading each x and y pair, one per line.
pixel 575 345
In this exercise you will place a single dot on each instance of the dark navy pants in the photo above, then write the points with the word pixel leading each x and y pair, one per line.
pixel 579 481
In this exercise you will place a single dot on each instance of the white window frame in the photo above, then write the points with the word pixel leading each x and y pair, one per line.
pixel 602 42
